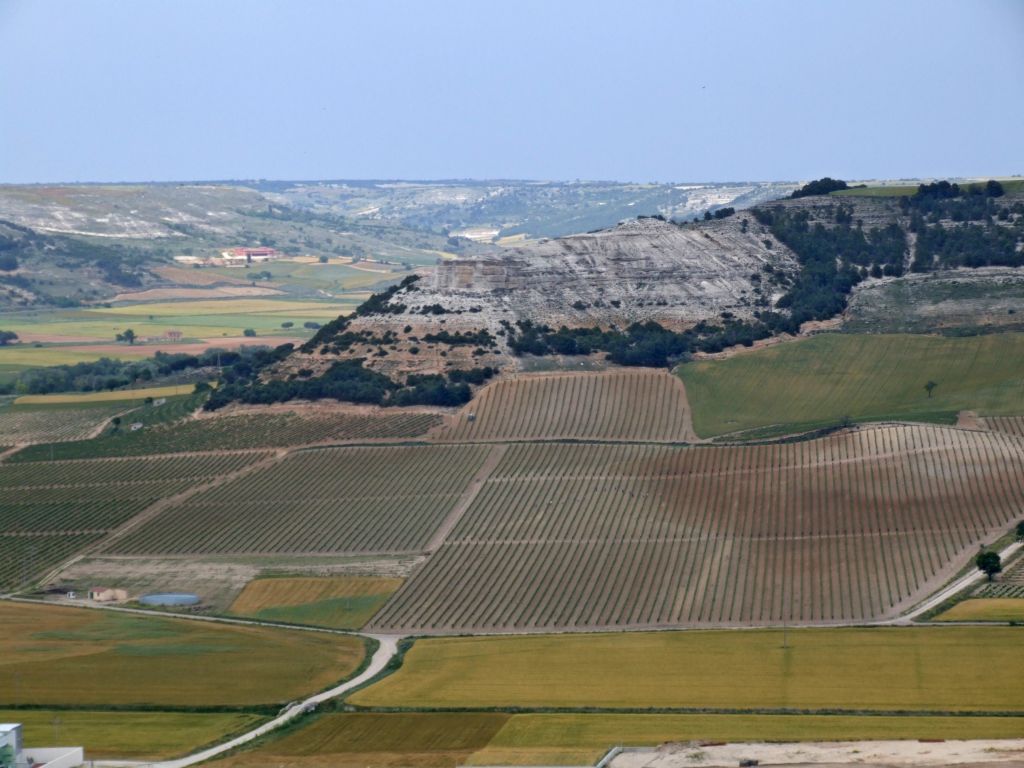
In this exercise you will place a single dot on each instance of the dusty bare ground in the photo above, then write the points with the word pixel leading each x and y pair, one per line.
pixel 1006 752
pixel 968 420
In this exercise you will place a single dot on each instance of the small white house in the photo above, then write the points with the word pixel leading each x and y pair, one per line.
pixel 14 753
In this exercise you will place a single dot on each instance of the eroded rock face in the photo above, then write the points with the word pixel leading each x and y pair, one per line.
pixel 644 269
pixel 640 270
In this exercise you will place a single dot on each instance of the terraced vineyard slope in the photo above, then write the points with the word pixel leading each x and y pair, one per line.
pixel 49 510
pixel 843 529
pixel 332 500
pixel 638 404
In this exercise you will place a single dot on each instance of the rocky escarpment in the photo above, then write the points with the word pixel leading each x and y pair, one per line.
pixel 643 269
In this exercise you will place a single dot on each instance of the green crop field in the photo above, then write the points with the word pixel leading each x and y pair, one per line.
pixel 581 739
pixel 58 656
pixel 340 602
pixel 924 669
pixel 986 609
pixel 120 735
pixel 823 379
pixel 427 740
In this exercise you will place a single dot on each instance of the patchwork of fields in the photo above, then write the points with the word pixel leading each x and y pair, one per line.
pixel 621 405
pixel 847 528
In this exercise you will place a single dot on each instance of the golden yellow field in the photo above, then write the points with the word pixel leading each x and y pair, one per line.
pixel 53 655
pixel 986 609
pixel 342 602
pixel 581 739
pixel 105 397
pixel 118 735
pixel 914 668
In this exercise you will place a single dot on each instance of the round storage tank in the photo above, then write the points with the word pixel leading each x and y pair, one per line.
pixel 170 598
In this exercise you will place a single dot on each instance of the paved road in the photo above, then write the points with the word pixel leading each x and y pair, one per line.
pixel 387 650
pixel 954 588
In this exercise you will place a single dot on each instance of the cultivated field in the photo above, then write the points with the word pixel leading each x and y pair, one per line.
pixel 342 602
pixel 332 500
pixel 986 609
pixel 1010 425
pixel 619 405
pixel 358 740
pixel 76 657
pixel 118 395
pixel 28 424
pixel 920 669
pixel 847 528
pixel 826 378
pixel 120 735
pixel 230 432
pixel 581 739
pixel 49 510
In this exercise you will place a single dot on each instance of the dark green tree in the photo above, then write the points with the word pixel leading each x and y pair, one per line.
pixel 929 386
pixel 989 562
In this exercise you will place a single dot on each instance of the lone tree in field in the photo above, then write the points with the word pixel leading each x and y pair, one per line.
pixel 929 387
pixel 6 337
pixel 989 562
pixel 128 335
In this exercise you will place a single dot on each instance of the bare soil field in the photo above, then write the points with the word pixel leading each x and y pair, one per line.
pixel 637 404
pixel 848 528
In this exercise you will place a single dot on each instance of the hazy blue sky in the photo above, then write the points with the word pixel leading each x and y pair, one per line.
pixel 635 90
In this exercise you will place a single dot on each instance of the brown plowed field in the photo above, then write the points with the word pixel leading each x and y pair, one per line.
pixel 1010 425
pixel 847 528
pixel 638 404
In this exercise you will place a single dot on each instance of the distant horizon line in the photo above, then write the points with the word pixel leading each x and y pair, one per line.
pixel 485 180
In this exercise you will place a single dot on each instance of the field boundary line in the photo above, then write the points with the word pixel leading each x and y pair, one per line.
pixel 494 457
pixel 156 508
